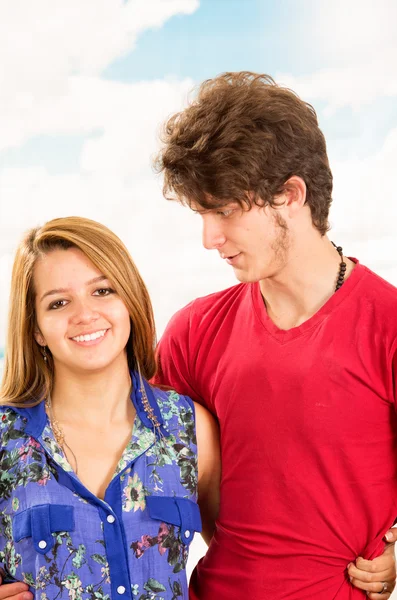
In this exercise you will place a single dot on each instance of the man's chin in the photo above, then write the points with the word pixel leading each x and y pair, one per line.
pixel 245 276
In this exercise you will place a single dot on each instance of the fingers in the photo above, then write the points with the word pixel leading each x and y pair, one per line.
pixel 14 591
pixel 376 596
pixel 391 535
pixel 373 589
pixel 384 562
pixel 364 577
pixel 377 577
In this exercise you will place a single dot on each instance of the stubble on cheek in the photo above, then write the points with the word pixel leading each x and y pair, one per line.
pixel 281 243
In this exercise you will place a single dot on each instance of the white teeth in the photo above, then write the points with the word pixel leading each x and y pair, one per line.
pixel 90 337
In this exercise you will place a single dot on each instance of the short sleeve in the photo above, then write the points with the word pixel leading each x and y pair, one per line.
pixel 174 358
pixel 394 374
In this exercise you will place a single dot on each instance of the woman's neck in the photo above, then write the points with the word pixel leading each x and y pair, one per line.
pixel 94 398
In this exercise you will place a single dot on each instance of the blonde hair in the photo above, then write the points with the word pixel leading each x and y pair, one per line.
pixel 27 377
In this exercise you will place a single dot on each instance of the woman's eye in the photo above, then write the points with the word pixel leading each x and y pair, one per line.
pixel 226 213
pixel 103 292
pixel 57 304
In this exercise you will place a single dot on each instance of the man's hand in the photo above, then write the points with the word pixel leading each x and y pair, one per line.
pixel 376 575
pixel 369 575
pixel 391 535
pixel 14 591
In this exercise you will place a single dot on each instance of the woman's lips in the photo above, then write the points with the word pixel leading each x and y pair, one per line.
pixel 93 342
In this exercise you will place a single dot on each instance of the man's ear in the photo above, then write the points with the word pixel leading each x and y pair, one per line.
pixel 295 193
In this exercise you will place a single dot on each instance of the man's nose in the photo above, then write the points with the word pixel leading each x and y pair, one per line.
pixel 213 235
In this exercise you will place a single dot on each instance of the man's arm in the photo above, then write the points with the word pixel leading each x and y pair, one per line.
pixel 209 469
pixel 174 359
pixel 371 575
pixel 14 591
pixel 385 565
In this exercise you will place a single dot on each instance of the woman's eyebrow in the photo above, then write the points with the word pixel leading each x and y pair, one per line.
pixel 64 290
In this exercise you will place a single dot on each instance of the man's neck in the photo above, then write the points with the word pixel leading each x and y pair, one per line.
pixel 305 283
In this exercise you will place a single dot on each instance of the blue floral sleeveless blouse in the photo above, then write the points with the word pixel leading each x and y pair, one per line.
pixel 64 542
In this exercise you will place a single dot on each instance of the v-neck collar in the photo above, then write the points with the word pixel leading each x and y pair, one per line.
pixel 141 439
pixel 285 335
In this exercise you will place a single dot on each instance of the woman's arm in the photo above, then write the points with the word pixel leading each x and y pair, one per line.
pixel 209 469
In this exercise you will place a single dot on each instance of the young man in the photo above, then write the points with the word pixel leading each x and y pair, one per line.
pixel 298 361
pixel 298 375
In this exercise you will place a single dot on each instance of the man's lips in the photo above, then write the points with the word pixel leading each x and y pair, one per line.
pixel 231 259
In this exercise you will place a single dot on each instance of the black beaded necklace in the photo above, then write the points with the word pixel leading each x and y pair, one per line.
pixel 342 268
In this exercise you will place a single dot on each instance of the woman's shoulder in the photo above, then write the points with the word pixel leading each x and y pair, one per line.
pixel 173 404
pixel 178 414
pixel 12 425
pixel 171 398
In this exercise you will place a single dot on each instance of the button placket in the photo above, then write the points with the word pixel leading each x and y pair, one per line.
pixel 117 558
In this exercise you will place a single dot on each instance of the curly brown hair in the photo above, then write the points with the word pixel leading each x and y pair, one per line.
pixel 241 139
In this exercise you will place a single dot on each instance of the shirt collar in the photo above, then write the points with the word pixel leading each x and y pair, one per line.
pixel 140 387
pixel 36 416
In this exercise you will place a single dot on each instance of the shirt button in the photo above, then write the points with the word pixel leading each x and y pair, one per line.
pixel 187 533
pixel 42 544
pixel 111 519
pixel 121 589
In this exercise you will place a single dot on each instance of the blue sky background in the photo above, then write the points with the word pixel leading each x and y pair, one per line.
pixel 86 85
pixel 222 35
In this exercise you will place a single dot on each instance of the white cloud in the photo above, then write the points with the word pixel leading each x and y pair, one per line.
pixel 356 41
pixel 351 31
pixel 49 48
pixel 365 206
pixel 364 212
pixel 353 85
pixel 131 119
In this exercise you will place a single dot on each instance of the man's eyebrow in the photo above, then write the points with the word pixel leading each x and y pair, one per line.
pixel 65 290
pixel 204 211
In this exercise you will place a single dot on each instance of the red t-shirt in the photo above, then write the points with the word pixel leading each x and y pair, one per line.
pixel 308 435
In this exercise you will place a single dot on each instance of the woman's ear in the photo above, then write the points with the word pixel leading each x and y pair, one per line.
pixel 39 338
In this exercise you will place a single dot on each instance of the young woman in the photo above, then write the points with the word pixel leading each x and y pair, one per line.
pixel 101 473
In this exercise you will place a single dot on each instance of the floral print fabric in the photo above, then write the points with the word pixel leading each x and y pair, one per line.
pixel 66 543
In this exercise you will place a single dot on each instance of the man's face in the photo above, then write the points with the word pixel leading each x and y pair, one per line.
pixel 254 242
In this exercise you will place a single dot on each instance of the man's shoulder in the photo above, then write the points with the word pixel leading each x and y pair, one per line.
pixel 380 289
pixel 377 300
pixel 206 306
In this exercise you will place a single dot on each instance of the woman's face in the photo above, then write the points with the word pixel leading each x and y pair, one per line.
pixel 81 319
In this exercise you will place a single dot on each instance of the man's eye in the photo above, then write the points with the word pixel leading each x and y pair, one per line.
pixel 226 213
pixel 103 292
pixel 57 304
